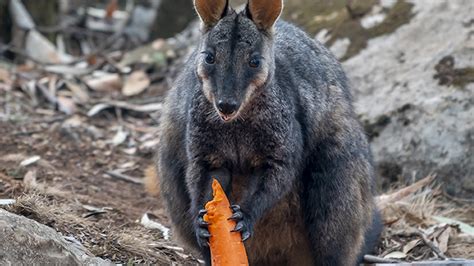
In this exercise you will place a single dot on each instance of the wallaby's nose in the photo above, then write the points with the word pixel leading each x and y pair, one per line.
pixel 227 107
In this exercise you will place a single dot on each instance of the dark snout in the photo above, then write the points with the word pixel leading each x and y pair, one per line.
pixel 227 98
pixel 227 108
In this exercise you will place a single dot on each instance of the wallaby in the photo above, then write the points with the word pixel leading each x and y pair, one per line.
pixel 268 111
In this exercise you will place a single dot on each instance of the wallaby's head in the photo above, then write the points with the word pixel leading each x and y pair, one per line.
pixel 236 52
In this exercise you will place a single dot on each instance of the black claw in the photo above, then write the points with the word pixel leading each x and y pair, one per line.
pixel 201 230
pixel 238 227
pixel 200 219
pixel 203 237
pixel 245 235
pixel 202 223
pixel 236 216
pixel 235 207
pixel 204 233
pixel 204 244
pixel 242 225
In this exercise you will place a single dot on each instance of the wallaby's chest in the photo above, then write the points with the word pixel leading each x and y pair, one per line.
pixel 239 150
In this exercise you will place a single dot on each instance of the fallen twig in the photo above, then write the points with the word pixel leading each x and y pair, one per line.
pixel 94 210
pixel 384 200
pixel 375 259
pixel 432 246
pixel 124 177
pixel 147 223
pixel 427 242
pixel 146 108
pixel 456 199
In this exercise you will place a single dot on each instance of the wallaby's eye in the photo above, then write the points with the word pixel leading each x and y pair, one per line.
pixel 254 62
pixel 210 59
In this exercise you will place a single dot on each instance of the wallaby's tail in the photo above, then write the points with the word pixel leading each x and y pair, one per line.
pixel 152 185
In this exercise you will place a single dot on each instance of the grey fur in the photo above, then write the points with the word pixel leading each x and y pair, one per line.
pixel 294 151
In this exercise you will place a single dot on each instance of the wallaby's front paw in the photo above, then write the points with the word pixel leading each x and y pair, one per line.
pixel 243 225
pixel 202 231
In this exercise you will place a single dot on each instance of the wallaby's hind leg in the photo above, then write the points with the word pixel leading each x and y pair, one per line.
pixel 372 235
pixel 335 217
pixel 178 204
pixel 176 199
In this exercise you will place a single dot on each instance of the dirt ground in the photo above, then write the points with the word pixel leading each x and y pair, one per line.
pixel 68 188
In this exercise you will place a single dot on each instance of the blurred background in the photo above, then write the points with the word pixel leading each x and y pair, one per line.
pixel 81 90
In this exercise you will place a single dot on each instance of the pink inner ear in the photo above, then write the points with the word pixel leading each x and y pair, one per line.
pixel 265 12
pixel 210 11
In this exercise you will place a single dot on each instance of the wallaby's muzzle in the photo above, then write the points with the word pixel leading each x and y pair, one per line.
pixel 227 109
pixel 227 97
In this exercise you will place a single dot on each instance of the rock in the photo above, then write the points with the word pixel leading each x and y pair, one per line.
pixel 27 242
pixel 340 46
pixel 414 92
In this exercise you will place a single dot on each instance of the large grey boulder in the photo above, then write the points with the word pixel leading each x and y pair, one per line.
pixel 415 93
pixel 27 242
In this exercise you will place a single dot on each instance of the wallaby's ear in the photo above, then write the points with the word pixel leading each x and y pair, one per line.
pixel 211 11
pixel 264 13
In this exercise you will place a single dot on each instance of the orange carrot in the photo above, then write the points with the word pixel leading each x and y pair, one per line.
pixel 227 248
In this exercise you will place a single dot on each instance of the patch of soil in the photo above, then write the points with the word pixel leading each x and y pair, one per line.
pixel 71 191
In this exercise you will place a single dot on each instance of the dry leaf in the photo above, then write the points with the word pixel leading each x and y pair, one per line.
pixel 443 239
pixel 149 144
pixel 136 83
pixel 30 160
pixel 5 76
pixel 106 82
pixel 79 92
pixel 72 70
pixel 395 255
pixel 410 245
pixel 52 81
pixel 66 105
pixel 119 137
pixel 128 165
pixel 130 151
pixel 30 180
pixel 413 217
pixel 40 48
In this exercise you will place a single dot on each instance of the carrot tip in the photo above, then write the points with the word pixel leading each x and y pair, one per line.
pixel 226 244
